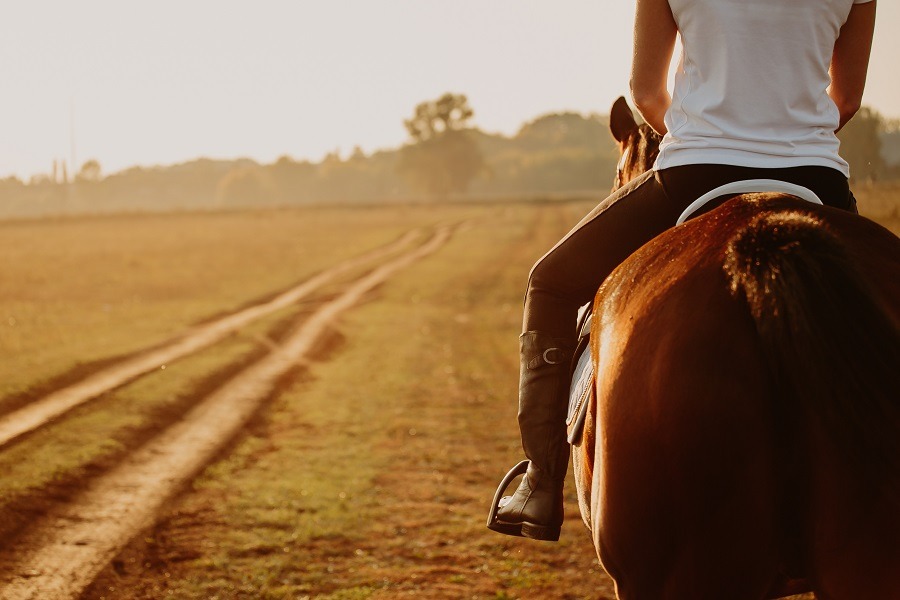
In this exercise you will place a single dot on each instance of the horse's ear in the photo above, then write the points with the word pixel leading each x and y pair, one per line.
pixel 621 120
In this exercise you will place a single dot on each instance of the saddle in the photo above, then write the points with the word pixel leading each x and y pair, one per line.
pixel 582 387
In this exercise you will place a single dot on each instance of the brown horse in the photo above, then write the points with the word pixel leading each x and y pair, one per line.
pixel 744 440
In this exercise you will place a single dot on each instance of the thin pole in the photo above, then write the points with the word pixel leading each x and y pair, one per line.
pixel 74 163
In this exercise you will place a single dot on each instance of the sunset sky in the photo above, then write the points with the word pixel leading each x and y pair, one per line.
pixel 163 82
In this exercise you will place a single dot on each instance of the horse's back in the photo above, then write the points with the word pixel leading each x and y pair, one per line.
pixel 703 471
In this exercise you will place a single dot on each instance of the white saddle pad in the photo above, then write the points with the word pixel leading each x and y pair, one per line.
pixel 748 186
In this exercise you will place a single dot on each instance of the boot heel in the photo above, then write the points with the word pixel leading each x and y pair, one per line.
pixel 544 533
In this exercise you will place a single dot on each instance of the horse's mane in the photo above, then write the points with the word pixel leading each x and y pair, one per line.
pixel 638 153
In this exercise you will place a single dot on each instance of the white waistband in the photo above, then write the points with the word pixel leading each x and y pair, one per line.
pixel 749 186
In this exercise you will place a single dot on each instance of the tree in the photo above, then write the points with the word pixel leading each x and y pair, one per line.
pixel 890 143
pixel 861 144
pixel 245 186
pixel 448 113
pixel 295 181
pixel 443 157
pixel 90 171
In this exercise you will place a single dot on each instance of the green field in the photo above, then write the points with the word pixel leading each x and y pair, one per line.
pixel 371 474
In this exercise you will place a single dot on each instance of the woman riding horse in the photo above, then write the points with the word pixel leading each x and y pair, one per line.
pixel 743 437
pixel 760 91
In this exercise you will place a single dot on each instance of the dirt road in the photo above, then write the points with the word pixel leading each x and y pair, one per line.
pixel 51 406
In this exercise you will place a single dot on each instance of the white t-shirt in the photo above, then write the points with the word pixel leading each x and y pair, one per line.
pixel 750 89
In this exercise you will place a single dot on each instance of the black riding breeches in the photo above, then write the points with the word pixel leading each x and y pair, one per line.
pixel 567 277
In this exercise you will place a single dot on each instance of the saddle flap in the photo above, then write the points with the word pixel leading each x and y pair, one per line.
pixel 579 394
pixel 582 380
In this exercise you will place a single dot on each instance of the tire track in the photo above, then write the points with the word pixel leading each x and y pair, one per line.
pixel 63 552
pixel 45 409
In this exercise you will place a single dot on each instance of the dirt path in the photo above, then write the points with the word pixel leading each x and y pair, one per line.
pixel 51 406
pixel 62 553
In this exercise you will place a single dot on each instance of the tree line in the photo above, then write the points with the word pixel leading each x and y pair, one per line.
pixel 445 158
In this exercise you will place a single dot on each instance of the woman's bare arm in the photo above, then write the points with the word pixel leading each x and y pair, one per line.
pixel 654 42
pixel 850 60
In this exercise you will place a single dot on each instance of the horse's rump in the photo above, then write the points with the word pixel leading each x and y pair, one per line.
pixel 823 300
pixel 831 337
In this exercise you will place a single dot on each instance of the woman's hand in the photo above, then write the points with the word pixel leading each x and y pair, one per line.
pixel 654 43
pixel 850 60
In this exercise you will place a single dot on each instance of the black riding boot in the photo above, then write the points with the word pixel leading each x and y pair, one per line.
pixel 535 510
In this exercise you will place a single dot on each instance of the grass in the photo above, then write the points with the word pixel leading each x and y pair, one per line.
pixel 368 477
pixel 52 461
pixel 75 292
pixel 78 291
pixel 372 478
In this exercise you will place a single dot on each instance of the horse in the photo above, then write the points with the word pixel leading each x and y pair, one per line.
pixel 742 440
